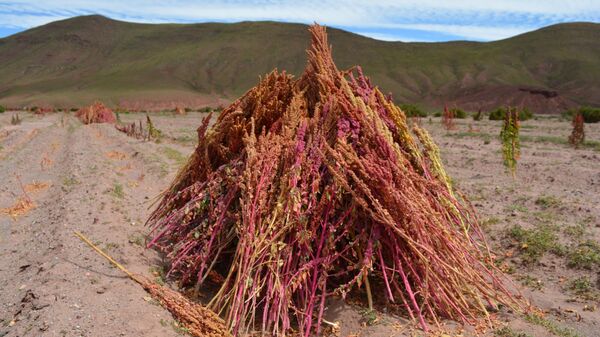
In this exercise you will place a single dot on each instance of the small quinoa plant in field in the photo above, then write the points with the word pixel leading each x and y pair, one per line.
pixel 448 118
pixel 577 136
pixel 510 139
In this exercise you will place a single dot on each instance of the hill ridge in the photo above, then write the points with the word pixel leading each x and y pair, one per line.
pixel 74 61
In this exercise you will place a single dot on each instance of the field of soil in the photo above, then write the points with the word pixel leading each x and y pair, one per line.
pixel 543 225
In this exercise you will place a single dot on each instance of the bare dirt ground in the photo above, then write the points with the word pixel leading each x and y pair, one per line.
pixel 544 226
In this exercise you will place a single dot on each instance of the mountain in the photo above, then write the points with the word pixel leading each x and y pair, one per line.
pixel 74 61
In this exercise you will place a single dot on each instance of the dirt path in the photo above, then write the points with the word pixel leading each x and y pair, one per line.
pixel 100 183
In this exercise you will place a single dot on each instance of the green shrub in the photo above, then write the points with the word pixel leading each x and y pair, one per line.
pixel 412 110
pixel 459 113
pixel 525 114
pixel 2 109
pixel 500 113
pixel 590 115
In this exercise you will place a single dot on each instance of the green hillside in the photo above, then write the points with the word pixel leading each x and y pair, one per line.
pixel 74 61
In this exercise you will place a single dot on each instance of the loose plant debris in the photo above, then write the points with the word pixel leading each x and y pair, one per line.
pixel 137 130
pixel 22 205
pixel 448 118
pixel 15 119
pixel 316 187
pixel 577 136
pixel 509 135
pixel 116 155
pixel 36 187
pixel 197 320
pixel 96 113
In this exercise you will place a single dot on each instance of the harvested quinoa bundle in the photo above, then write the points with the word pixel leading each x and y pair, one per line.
pixel 96 113
pixel 315 187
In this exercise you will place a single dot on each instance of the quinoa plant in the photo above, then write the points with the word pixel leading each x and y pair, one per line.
pixel 510 139
pixel 577 136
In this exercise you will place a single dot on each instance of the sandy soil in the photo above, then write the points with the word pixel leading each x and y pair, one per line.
pixel 98 181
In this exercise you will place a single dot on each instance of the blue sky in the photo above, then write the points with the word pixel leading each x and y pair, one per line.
pixel 418 20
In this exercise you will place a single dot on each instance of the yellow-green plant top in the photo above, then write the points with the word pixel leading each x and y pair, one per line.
pixel 509 135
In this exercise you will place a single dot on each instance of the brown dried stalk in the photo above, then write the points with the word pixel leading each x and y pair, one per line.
pixel 198 320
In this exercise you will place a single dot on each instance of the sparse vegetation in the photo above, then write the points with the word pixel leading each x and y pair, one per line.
pixel 547 201
pixel 534 243
pixel 117 191
pixel 551 326
pixel 581 285
pixel 508 332
pixel 586 255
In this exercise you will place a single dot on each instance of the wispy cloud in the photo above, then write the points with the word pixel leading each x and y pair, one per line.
pixel 409 20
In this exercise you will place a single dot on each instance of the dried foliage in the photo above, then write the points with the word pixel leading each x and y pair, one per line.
pixel 197 320
pixel 96 113
pixel 448 118
pixel 509 136
pixel 577 136
pixel 316 187
pixel 137 130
